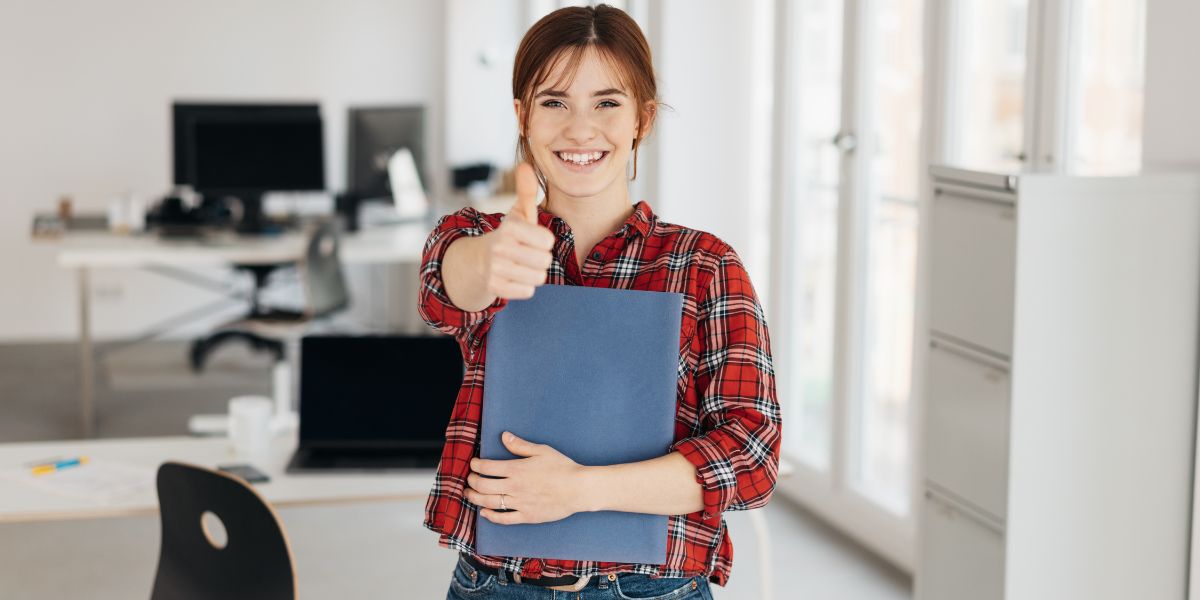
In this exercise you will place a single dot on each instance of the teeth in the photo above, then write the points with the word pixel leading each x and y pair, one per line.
pixel 581 159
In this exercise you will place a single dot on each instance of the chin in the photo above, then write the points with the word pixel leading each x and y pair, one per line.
pixel 577 190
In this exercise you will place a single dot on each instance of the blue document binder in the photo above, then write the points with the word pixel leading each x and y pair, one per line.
pixel 592 372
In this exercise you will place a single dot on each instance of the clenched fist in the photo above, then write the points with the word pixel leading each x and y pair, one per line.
pixel 516 255
pixel 509 262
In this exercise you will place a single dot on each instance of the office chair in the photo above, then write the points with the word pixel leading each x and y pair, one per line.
pixel 262 328
pixel 256 559
pixel 271 330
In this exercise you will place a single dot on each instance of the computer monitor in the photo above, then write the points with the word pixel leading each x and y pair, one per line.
pixel 246 150
pixel 375 133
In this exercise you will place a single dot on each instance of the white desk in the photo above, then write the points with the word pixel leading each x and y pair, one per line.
pixel 398 243
pixel 85 251
pixel 22 503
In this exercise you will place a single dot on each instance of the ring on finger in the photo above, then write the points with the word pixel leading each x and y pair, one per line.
pixel 502 506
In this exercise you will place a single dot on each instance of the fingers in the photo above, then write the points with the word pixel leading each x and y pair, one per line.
pixel 484 485
pixel 532 235
pixel 516 255
pixel 515 268
pixel 495 468
pixel 519 446
pixel 527 185
pixel 517 275
pixel 513 291
pixel 519 251
pixel 502 518
pixel 491 501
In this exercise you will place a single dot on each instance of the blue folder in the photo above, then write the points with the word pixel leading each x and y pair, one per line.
pixel 591 372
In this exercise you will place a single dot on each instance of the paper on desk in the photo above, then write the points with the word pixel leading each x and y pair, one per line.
pixel 100 480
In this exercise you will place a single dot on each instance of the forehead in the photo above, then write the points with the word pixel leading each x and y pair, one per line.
pixel 582 72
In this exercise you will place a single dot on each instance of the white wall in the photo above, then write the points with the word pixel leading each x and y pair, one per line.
pixel 714 65
pixel 84 111
pixel 1171 135
pixel 481 42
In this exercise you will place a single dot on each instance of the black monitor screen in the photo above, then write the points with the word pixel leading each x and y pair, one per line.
pixel 378 390
pixel 224 147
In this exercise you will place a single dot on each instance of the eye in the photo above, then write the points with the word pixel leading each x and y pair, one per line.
pixel 553 104
pixel 608 104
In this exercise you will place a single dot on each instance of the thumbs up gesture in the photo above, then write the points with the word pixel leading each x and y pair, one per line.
pixel 518 253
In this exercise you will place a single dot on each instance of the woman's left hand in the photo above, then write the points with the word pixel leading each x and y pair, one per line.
pixel 543 486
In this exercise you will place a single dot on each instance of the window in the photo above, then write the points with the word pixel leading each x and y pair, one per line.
pixel 881 465
pixel 987 84
pixel 815 179
pixel 1105 79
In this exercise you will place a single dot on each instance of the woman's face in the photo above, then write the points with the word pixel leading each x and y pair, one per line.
pixel 581 137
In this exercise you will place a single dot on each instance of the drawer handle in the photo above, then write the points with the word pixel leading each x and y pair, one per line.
pixel 971 355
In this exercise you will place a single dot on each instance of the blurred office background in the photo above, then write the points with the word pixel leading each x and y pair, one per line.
pixel 802 132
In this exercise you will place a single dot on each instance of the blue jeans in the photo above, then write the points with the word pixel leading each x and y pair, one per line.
pixel 467 584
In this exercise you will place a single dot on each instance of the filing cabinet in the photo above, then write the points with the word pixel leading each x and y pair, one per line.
pixel 1057 400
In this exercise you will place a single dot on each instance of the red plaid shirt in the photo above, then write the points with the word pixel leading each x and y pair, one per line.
pixel 727 420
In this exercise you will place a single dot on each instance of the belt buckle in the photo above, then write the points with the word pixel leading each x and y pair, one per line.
pixel 577 586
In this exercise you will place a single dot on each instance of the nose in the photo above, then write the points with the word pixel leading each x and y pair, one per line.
pixel 580 129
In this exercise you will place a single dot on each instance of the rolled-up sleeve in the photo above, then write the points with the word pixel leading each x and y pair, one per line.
pixel 433 304
pixel 737 455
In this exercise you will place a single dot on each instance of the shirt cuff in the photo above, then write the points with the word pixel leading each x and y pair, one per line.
pixel 714 472
pixel 470 326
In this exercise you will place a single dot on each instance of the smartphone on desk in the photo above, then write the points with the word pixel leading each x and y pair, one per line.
pixel 245 471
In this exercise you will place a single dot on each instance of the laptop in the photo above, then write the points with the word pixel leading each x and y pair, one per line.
pixel 371 403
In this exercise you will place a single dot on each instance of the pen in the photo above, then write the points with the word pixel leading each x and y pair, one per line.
pixel 58 465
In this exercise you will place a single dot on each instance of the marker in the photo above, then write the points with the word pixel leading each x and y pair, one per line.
pixel 59 465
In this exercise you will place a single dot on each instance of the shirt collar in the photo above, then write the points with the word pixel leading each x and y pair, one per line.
pixel 640 222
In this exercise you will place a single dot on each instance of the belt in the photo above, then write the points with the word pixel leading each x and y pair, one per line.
pixel 566 583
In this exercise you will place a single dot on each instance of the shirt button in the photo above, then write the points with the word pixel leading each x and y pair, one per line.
pixel 595 256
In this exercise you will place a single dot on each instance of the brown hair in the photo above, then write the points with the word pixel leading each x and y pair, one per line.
pixel 564 36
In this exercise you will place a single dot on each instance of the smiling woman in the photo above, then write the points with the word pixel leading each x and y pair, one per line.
pixel 584 95
pixel 617 79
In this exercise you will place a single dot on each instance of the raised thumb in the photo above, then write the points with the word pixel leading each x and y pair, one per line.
pixel 527 186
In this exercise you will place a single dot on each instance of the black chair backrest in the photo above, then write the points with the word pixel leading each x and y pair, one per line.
pixel 256 560
pixel 325 284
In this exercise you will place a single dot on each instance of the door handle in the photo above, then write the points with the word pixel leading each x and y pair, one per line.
pixel 845 141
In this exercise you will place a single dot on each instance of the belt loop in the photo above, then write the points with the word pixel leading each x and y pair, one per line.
pixel 603 579
pixel 502 575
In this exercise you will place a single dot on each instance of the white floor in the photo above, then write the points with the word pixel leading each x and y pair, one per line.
pixel 382 551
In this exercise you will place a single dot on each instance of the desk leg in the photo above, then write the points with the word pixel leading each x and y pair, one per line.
pixel 86 360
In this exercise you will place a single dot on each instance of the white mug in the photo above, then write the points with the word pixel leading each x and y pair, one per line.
pixel 250 425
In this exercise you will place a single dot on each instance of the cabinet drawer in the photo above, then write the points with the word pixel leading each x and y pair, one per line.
pixel 967 425
pixel 973 254
pixel 959 557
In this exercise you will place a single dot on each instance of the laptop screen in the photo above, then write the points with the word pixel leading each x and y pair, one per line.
pixel 378 390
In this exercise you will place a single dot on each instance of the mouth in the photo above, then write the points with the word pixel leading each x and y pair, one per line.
pixel 582 162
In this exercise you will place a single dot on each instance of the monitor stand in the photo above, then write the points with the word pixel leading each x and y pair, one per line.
pixel 253 220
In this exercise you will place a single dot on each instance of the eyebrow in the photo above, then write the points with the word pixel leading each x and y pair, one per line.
pixel 562 94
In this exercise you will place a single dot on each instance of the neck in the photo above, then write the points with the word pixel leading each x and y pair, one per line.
pixel 593 217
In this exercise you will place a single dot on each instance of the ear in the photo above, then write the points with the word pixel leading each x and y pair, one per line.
pixel 517 112
pixel 649 115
